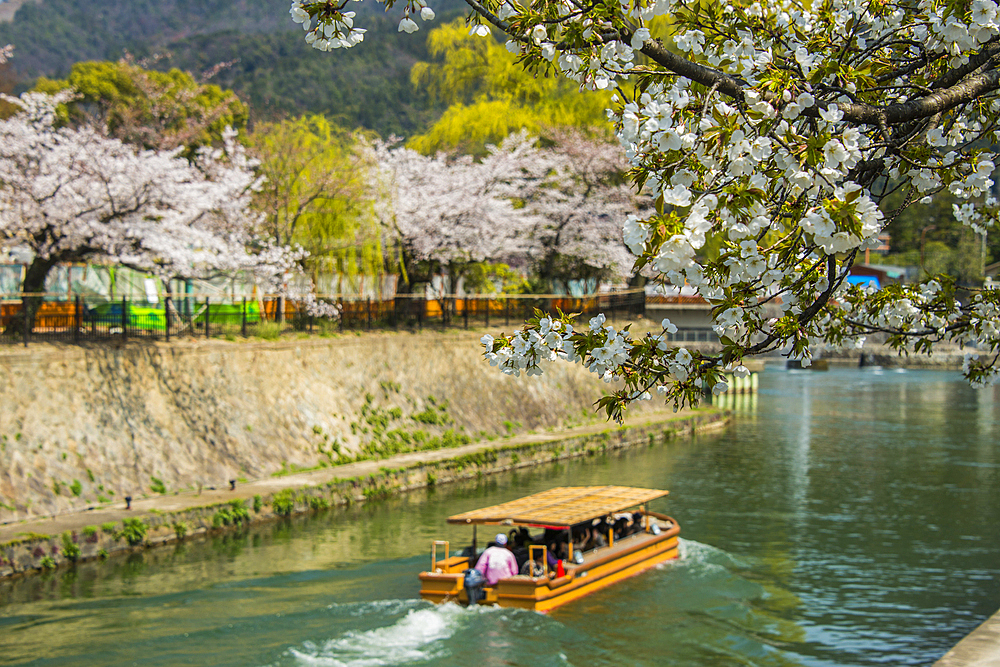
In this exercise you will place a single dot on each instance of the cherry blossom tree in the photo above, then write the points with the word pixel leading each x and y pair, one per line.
pixel 580 201
pixel 556 210
pixel 776 131
pixel 74 195
pixel 455 210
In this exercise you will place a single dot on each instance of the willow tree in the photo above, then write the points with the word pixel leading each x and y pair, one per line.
pixel 775 131
pixel 316 194
pixel 490 95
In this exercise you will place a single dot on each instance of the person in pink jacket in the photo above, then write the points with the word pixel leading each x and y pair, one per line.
pixel 497 562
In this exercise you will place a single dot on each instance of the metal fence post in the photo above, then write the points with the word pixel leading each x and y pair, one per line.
pixel 465 311
pixel 77 317
pixel 279 314
pixel 506 312
pixel 487 312
pixel 27 319
pixel 207 316
pixel 166 317
pixel 243 325
pixel 420 312
pixel 369 313
pixel 124 319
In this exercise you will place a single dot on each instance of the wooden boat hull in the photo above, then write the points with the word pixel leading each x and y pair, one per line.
pixel 600 569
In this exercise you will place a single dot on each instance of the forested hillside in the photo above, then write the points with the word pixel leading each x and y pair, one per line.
pixel 274 70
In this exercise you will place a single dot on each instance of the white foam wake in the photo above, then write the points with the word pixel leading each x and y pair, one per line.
pixel 693 552
pixel 410 639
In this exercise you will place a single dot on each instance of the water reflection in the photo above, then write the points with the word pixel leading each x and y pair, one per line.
pixel 846 518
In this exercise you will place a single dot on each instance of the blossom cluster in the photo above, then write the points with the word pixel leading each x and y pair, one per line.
pixel 73 194
pixel 769 136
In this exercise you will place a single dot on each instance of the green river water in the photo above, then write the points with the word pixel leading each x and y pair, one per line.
pixel 844 518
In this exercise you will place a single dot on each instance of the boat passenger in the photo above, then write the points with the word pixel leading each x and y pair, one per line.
pixel 519 548
pixel 497 562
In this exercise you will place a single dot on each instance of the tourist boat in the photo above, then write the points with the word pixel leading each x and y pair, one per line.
pixel 654 541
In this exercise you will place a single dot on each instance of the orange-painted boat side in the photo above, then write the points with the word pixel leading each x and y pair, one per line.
pixel 601 568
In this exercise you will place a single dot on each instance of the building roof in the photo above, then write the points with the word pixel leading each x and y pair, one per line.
pixel 561 507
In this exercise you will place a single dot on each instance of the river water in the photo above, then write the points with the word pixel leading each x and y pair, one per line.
pixel 850 517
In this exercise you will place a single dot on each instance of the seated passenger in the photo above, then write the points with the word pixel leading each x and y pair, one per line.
pixel 533 568
pixel 596 539
pixel 497 562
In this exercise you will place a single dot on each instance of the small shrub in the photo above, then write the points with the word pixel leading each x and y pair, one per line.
pixel 133 531
pixel 110 527
pixel 90 533
pixel 48 563
pixel 319 503
pixel 258 504
pixel 269 330
pixel 76 488
pixel 157 485
pixel 232 513
pixel 180 529
pixel 56 487
pixel 431 479
pixel 283 503
pixel 90 476
pixel 70 549
pixel 103 554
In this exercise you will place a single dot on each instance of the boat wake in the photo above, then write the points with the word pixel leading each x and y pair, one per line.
pixel 697 553
pixel 413 638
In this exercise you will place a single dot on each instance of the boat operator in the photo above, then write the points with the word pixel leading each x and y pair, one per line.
pixel 497 562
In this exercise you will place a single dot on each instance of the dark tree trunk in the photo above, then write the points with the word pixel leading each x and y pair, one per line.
pixel 34 285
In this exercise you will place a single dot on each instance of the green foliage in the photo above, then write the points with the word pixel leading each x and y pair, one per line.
pixel 133 531
pixel 432 416
pixel 283 502
pixel 319 503
pixel 109 527
pixel 70 549
pixel 151 109
pixel 102 554
pixel 180 529
pixel 89 531
pixel 48 563
pixel 157 486
pixel 258 504
pixel 95 30
pixel 268 330
pixel 491 95
pixel 315 194
pixel 233 513
pixel 431 479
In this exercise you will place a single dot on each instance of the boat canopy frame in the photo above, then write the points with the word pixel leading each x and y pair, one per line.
pixel 561 507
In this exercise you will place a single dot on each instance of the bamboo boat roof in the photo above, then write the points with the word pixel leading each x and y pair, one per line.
pixel 563 506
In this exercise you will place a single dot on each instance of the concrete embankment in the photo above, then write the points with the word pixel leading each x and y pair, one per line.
pixel 981 648
pixel 83 426
pixel 48 543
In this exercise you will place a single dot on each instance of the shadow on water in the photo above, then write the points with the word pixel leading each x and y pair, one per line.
pixel 845 518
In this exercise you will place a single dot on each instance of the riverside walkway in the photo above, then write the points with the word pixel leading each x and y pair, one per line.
pixel 144 507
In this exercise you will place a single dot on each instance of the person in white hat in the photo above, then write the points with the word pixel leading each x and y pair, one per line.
pixel 497 562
